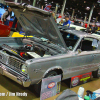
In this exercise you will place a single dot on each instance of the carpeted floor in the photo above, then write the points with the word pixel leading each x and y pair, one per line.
pixel 8 86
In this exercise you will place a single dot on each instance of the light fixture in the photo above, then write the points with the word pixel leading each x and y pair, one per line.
pixel 52 2
pixel 98 1
pixel 94 18
pixel 99 13
pixel 84 1
pixel 87 8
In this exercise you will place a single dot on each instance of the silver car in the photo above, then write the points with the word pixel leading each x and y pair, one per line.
pixel 49 52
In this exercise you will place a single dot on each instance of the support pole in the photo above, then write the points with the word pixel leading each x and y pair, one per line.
pixel 63 7
pixel 73 14
pixel 42 7
pixel 56 9
pixel 91 12
pixel 15 1
pixel 21 1
pixel 85 19
pixel 34 3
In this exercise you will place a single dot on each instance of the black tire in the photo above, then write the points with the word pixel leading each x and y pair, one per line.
pixel 37 87
pixel 51 73
pixel 96 74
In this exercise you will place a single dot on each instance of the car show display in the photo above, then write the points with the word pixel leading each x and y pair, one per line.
pixel 28 60
pixel 41 52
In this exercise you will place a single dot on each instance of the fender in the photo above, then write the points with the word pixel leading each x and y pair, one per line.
pixel 51 69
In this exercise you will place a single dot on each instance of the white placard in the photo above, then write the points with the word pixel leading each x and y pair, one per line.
pixel 95 43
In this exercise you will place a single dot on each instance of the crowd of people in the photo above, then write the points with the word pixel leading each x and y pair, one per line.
pixel 64 21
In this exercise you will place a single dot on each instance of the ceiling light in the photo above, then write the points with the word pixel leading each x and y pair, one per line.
pixel 98 1
pixel 84 1
pixel 87 8
pixel 99 13
pixel 52 2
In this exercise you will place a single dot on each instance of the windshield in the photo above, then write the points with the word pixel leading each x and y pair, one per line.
pixel 70 39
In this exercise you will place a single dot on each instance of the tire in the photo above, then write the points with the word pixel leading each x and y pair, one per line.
pixel 96 74
pixel 51 73
pixel 37 87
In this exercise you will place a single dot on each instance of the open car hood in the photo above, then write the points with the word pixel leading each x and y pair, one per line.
pixel 37 22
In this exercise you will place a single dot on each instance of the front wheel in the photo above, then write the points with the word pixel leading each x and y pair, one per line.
pixel 37 87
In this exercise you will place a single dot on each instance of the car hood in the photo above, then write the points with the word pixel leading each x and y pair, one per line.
pixel 37 22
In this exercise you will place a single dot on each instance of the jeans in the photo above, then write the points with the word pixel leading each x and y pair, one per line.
pixel 14 22
pixel 6 22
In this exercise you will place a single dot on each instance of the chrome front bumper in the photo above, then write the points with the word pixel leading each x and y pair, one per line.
pixel 14 75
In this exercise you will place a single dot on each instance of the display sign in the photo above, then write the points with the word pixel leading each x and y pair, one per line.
pixel 80 79
pixel 50 87
pixel 47 8
pixel 95 43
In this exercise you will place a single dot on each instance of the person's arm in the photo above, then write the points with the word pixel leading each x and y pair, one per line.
pixel 61 21
pixel 68 24
pixel 4 15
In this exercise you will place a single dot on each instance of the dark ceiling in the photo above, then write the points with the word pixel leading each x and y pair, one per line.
pixel 78 5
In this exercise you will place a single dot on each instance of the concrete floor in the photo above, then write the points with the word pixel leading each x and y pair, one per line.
pixel 7 85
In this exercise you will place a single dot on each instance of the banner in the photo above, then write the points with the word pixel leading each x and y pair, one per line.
pixel 47 8
pixel 80 79
pixel 50 87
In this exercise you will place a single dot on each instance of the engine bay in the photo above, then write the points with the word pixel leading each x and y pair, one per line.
pixel 25 52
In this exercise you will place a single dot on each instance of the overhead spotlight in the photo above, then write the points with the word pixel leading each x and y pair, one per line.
pixel 52 2
pixel 84 1
pixel 99 13
pixel 94 18
pixel 98 1
pixel 87 8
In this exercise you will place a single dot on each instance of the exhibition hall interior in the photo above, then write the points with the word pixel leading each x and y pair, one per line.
pixel 49 50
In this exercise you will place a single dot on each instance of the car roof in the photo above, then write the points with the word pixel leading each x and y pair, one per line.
pixel 81 34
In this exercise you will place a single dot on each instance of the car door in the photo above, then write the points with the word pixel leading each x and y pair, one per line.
pixel 85 61
pixel 89 57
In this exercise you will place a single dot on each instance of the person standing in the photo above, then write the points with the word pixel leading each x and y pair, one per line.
pixel 6 16
pixel 67 22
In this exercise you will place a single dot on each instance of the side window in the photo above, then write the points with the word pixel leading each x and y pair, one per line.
pixel 88 44
pixel 70 39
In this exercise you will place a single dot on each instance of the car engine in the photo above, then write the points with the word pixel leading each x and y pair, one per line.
pixel 25 52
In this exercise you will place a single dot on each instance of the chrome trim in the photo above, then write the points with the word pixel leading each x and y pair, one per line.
pixel 19 78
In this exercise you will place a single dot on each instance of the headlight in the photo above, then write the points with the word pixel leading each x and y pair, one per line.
pixel 24 68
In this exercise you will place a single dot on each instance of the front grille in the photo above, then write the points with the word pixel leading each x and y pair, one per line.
pixel 11 61
pixel 14 62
